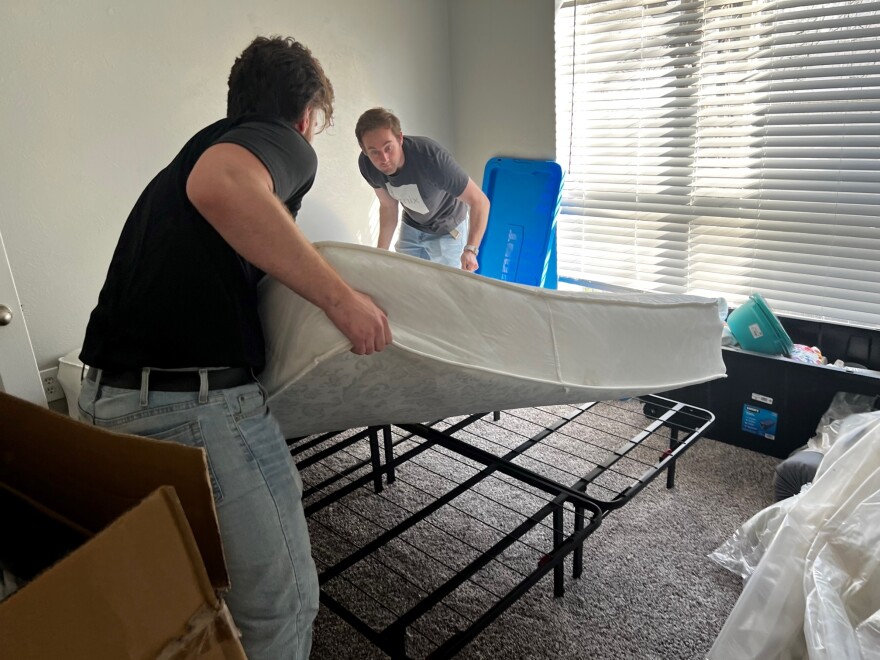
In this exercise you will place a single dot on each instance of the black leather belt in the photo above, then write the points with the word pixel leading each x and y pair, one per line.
pixel 175 381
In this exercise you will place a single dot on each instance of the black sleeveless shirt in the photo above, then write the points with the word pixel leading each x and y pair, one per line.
pixel 176 294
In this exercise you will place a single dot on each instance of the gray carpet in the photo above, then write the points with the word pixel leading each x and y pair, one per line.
pixel 647 590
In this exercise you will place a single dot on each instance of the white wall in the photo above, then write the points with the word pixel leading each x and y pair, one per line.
pixel 503 81
pixel 97 96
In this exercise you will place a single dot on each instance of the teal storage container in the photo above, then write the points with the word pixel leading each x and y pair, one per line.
pixel 756 328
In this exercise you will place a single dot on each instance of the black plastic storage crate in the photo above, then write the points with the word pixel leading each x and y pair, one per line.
pixel 773 404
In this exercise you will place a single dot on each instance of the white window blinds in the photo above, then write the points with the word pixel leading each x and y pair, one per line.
pixel 723 148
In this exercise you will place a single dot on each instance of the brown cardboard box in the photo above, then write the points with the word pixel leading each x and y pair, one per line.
pixel 121 535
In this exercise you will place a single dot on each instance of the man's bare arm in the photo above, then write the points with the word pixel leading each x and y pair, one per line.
pixel 389 216
pixel 479 217
pixel 234 192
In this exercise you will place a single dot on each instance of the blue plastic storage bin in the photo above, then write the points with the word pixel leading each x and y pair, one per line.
pixel 756 328
pixel 520 241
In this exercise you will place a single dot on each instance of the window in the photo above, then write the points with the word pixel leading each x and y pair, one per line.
pixel 723 148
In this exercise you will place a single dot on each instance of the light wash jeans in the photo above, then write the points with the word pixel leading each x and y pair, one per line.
pixel 258 494
pixel 439 248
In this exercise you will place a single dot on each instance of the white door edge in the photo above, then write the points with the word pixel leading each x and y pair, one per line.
pixel 19 374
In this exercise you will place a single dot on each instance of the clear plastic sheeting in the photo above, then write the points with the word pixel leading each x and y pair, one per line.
pixel 842 406
pixel 741 553
pixel 814 590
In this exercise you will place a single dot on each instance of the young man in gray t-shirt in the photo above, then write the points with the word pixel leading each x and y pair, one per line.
pixel 444 211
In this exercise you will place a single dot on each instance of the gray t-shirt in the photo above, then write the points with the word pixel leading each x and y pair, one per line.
pixel 426 186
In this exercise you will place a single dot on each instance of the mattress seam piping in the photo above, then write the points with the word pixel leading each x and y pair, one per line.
pixel 553 339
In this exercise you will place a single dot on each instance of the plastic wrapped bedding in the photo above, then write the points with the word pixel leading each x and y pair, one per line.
pixel 813 588
pixel 464 343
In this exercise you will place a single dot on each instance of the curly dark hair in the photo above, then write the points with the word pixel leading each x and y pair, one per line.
pixel 278 76
pixel 376 118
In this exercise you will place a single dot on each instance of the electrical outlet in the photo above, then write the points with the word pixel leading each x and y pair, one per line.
pixel 51 386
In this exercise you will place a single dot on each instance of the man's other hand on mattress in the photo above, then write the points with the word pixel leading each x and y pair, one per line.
pixel 469 261
pixel 362 322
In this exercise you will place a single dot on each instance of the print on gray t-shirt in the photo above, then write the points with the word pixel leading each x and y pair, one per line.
pixel 426 186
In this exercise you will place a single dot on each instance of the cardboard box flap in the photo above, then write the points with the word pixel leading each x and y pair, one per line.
pixel 138 589
pixel 91 476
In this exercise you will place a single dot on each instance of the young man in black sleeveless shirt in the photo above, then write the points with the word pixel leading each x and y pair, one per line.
pixel 175 339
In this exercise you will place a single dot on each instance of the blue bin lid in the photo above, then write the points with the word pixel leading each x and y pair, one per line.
pixel 519 244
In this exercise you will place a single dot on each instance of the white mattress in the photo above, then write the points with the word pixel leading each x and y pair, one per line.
pixel 464 343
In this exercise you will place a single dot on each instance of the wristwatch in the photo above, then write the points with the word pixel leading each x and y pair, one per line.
pixel 472 248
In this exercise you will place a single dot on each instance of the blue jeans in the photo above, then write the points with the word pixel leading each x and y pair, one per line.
pixel 439 248
pixel 258 495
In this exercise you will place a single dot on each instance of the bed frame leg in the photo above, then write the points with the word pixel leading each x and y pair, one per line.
pixel 673 445
pixel 577 558
pixel 374 458
pixel 559 569
pixel 389 454
pixel 496 415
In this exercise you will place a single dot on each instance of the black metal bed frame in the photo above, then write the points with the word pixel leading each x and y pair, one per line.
pixel 624 445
